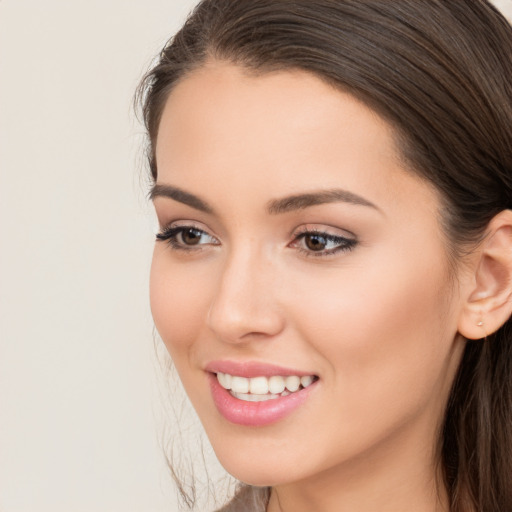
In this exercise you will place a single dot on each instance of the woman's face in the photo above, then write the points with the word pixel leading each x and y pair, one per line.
pixel 295 248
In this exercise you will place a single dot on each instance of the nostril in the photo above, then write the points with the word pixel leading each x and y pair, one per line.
pixel 237 321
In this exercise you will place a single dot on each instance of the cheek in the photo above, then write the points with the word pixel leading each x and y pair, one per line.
pixel 179 302
pixel 384 329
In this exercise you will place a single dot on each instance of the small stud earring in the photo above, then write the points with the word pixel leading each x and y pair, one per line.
pixel 480 324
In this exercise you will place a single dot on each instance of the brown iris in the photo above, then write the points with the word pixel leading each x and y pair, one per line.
pixel 315 242
pixel 191 236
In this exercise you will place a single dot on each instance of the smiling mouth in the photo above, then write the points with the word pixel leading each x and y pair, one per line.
pixel 260 389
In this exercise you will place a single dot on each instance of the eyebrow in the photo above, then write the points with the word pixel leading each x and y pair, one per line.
pixel 274 207
pixel 181 196
pixel 302 201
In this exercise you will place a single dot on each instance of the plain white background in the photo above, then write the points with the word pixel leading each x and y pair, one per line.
pixel 79 406
pixel 79 397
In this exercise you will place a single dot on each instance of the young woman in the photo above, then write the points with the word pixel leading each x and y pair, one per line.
pixel 333 274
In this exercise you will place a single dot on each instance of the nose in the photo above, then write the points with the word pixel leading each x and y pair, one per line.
pixel 245 305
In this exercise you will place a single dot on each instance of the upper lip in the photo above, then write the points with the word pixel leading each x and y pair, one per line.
pixel 251 369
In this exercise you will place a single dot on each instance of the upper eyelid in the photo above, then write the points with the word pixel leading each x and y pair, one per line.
pixel 171 227
pixel 186 224
pixel 324 230
pixel 328 231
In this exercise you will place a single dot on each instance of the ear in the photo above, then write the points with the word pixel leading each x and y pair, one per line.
pixel 488 296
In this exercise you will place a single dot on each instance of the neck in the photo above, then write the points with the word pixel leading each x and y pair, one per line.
pixel 391 479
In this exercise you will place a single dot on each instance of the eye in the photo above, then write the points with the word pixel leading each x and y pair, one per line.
pixel 186 238
pixel 318 243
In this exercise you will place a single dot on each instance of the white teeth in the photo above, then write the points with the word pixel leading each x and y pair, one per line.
pixel 225 380
pixel 306 380
pixel 258 385
pixel 274 386
pixel 254 398
pixel 239 384
pixel 292 383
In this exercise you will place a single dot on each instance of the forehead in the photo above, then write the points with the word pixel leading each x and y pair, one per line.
pixel 222 106
pixel 277 133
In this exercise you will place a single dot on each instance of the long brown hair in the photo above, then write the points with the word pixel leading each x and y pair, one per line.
pixel 440 71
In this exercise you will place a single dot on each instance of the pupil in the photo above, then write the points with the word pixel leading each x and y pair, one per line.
pixel 316 242
pixel 191 236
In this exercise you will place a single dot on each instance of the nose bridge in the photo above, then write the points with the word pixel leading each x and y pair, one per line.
pixel 245 301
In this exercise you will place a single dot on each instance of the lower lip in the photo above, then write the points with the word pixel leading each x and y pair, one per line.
pixel 255 414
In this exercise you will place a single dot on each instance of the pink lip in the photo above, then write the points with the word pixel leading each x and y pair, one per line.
pixel 251 369
pixel 254 414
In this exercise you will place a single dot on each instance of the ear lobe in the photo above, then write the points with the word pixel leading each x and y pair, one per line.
pixel 489 301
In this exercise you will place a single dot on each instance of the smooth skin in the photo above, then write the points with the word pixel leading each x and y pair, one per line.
pixel 358 290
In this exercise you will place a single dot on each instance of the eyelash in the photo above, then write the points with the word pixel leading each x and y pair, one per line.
pixel 343 244
pixel 170 235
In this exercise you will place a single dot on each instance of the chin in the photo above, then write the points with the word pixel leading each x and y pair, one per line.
pixel 256 475
pixel 261 466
